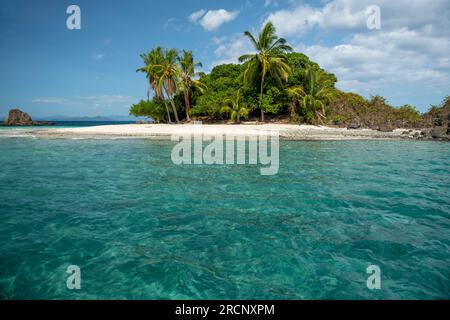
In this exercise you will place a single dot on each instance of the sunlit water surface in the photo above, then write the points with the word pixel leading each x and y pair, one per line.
pixel 140 227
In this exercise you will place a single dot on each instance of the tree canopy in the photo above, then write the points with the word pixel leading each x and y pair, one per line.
pixel 286 86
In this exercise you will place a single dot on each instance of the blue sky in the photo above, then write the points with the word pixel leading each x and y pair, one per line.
pixel 48 70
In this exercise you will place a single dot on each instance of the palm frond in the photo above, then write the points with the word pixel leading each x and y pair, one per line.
pixel 252 39
pixel 246 57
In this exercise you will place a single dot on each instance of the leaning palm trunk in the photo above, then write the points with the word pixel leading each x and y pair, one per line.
pixel 187 104
pixel 174 110
pixel 167 110
pixel 261 98
pixel 169 91
pixel 322 115
pixel 293 107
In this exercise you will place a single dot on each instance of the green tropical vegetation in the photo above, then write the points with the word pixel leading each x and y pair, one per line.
pixel 314 95
pixel 235 108
pixel 271 84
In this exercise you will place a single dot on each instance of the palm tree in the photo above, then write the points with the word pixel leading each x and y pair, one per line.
pixel 168 75
pixel 318 90
pixel 152 59
pixel 269 59
pixel 188 73
pixel 235 108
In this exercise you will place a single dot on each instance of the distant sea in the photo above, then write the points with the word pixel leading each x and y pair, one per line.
pixel 140 227
pixel 75 124
pixel 16 131
pixel 88 123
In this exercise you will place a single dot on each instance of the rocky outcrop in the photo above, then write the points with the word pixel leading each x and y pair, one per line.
pixel 355 124
pixel 378 126
pixel 448 125
pixel 438 122
pixel 385 127
pixel 441 126
pixel 20 118
pixel 438 133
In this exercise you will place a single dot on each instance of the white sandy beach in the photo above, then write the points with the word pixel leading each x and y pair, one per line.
pixel 165 131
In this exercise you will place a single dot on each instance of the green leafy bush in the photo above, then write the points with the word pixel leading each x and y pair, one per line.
pixel 154 109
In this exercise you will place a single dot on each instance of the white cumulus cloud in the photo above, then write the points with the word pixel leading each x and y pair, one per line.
pixel 406 60
pixel 393 63
pixel 353 15
pixel 229 49
pixel 195 16
pixel 213 19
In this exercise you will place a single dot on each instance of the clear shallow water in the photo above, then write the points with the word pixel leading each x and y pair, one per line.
pixel 140 227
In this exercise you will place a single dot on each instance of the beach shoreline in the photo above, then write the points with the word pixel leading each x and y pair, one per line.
pixel 166 131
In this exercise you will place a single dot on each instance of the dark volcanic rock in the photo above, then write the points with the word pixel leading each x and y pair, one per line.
pixel 354 125
pixel 426 133
pixel 20 118
pixel 438 133
pixel 448 125
pixel 400 124
pixel 437 122
pixel 386 128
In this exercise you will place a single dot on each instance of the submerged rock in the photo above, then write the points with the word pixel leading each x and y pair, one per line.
pixel 17 117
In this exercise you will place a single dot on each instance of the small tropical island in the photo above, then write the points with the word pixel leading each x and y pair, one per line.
pixel 273 88
pixel 163 177
pixel 272 85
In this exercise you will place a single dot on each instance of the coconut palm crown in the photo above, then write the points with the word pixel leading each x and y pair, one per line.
pixel 268 60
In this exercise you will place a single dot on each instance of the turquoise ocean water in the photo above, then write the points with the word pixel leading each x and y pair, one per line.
pixel 140 227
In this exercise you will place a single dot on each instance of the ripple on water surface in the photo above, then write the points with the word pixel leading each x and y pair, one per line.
pixel 141 227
